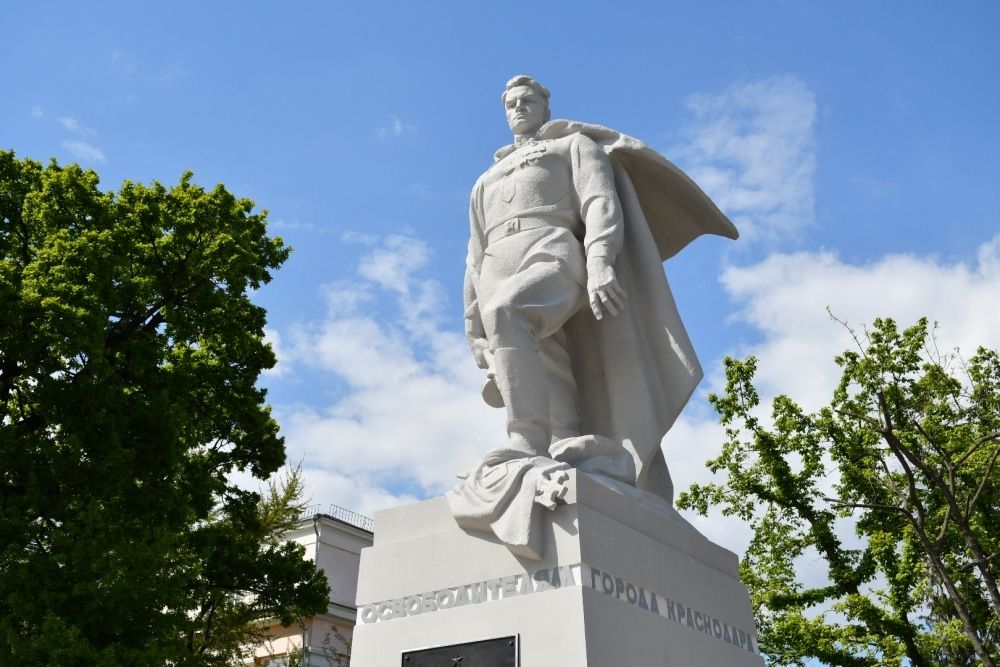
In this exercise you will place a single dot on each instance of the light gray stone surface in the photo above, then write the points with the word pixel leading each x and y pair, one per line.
pixel 568 310
pixel 419 583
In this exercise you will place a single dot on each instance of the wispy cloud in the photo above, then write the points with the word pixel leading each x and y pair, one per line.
pixel 83 147
pixel 69 123
pixel 149 73
pixel 273 338
pixel 427 194
pixel 876 187
pixel 360 238
pixel 73 125
pixel 84 151
pixel 169 76
pixel 122 64
pixel 311 227
pixel 752 148
pixel 394 129
pixel 36 112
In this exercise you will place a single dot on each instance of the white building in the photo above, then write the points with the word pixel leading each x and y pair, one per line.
pixel 333 537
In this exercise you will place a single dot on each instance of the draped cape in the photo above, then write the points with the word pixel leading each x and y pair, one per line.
pixel 635 372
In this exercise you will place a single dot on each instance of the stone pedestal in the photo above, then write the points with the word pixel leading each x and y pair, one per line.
pixel 618 585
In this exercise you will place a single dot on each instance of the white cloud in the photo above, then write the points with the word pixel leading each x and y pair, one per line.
pixel 410 416
pixel 393 265
pixel 365 493
pixel 73 125
pixel 988 256
pixel 875 187
pixel 395 128
pixel 359 238
pixel 428 194
pixel 785 298
pixel 82 148
pixel 273 338
pixel 285 225
pixel 169 76
pixel 36 112
pixel 122 64
pixel 84 151
pixel 69 123
pixel 752 148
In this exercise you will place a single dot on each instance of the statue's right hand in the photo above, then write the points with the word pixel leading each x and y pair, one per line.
pixel 480 348
pixel 606 293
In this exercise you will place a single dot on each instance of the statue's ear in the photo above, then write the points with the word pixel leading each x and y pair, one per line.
pixel 548 114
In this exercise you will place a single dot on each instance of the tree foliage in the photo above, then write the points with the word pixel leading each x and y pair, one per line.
pixel 906 453
pixel 248 588
pixel 129 358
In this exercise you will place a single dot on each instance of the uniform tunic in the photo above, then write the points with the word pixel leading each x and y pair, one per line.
pixel 535 217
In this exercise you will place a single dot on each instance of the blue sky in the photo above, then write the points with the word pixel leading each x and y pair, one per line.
pixel 854 144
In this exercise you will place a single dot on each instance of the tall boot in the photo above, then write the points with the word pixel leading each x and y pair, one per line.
pixel 564 416
pixel 523 384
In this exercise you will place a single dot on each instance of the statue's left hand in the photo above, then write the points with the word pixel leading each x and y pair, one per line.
pixel 603 288
pixel 481 351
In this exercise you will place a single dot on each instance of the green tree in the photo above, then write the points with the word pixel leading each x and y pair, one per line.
pixel 129 359
pixel 240 599
pixel 906 452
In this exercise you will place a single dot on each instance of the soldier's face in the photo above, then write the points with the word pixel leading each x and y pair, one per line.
pixel 525 110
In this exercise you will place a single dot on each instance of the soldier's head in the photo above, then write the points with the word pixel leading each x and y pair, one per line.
pixel 526 103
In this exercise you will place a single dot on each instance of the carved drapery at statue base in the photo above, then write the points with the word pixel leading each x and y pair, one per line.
pixel 505 492
pixel 617 583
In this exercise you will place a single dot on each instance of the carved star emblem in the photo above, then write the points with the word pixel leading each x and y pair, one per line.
pixel 457 660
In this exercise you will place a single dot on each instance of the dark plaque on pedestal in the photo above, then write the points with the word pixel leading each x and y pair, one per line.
pixel 500 652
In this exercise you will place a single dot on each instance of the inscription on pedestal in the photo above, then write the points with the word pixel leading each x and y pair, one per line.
pixel 557 578
pixel 500 652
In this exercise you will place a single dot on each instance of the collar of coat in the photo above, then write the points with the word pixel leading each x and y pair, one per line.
pixel 676 209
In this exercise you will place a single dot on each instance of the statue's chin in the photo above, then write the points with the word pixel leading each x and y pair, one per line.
pixel 525 128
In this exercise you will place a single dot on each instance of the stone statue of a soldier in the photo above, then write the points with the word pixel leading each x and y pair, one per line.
pixel 568 310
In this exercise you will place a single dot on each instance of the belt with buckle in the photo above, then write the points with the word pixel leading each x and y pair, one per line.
pixel 512 226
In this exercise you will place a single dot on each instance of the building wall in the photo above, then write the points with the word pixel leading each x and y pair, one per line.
pixel 335 545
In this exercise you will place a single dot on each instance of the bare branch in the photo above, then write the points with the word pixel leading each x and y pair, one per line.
pixel 976 445
pixel 934 445
pixel 844 324
pixel 871 421
pixel 944 527
pixel 982 484
pixel 871 506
